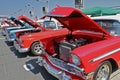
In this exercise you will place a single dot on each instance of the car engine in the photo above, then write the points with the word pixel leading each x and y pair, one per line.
pixel 65 47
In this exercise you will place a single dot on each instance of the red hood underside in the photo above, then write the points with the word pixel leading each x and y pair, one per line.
pixel 31 22
pixel 74 19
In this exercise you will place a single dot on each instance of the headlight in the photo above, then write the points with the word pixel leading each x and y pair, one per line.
pixel 75 59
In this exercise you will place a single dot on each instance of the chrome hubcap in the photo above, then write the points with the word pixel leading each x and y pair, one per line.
pixel 103 72
pixel 38 49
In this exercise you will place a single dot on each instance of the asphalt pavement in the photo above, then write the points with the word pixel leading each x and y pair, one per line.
pixel 16 66
pixel 12 64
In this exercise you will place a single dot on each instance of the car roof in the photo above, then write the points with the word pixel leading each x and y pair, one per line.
pixel 110 17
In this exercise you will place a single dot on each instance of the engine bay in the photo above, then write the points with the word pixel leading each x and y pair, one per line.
pixel 65 47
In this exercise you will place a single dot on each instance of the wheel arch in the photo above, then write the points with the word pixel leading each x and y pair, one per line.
pixel 108 63
pixel 113 64
pixel 33 43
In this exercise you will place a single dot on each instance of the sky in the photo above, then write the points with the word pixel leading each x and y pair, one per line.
pixel 18 7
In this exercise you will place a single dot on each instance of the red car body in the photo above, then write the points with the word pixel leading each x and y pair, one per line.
pixel 24 42
pixel 83 51
pixel 94 59
pixel 31 36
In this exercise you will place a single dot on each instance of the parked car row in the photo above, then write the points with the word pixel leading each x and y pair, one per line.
pixel 7 23
pixel 80 48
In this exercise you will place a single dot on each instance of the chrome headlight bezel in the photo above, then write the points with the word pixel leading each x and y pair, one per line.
pixel 20 41
pixel 75 59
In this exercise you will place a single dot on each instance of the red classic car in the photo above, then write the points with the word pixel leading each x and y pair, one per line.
pixel 35 35
pixel 24 25
pixel 86 52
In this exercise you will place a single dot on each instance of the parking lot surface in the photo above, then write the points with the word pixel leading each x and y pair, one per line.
pixel 13 65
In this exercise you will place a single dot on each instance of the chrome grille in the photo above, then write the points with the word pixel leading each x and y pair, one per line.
pixel 61 64
pixel 64 53
pixel 65 49
pixel 67 66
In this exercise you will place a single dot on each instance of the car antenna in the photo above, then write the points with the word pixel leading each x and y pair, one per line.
pixel 57 5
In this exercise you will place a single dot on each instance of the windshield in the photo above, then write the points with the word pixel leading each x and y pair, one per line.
pixel 41 23
pixel 112 26
pixel 49 24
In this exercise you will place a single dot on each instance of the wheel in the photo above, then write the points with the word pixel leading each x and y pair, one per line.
pixel 36 49
pixel 103 71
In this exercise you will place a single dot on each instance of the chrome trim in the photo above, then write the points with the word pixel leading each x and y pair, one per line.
pixel 80 69
pixel 56 73
pixel 66 67
pixel 105 55
pixel 8 38
pixel 70 66
pixel 20 50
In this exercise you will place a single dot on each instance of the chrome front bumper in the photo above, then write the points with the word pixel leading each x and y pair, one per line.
pixel 56 73
pixel 20 50
pixel 63 68
pixel 9 39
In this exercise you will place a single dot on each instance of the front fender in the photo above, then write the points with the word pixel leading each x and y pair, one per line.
pixel 91 55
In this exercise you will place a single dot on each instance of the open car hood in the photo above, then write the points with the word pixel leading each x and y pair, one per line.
pixel 74 19
pixel 31 22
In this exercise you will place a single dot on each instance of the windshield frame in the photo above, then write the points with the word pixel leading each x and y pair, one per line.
pixel 49 24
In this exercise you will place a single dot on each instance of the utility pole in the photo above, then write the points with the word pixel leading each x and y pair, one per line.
pixel 45 9
pixel 79 4
pixel 31 12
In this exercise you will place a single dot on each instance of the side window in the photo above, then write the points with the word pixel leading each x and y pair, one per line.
pixel 111 26
pixel 49 24
pixel 116 23
pixel 59 25
pixel 98 22
pixel 41 23
pixel 106 24
pixel 116 26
